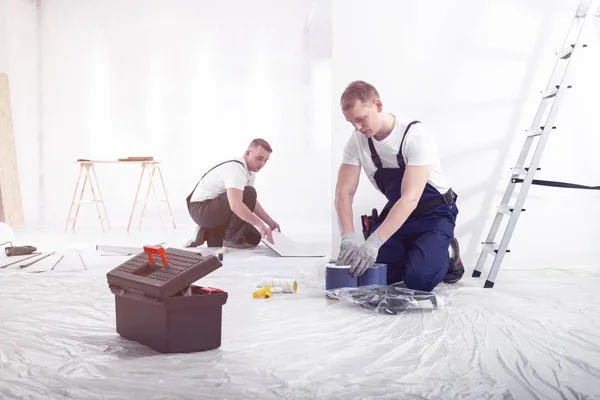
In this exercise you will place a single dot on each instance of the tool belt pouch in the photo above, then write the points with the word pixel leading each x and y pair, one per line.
pixel 366 233
pixel 449 197
pixel 369 222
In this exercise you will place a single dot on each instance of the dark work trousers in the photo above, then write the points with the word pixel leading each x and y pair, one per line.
pixel 419 249
pixel 221 223
pixel 418 252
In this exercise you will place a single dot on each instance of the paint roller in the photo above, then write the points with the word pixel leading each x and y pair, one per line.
pixel 286 285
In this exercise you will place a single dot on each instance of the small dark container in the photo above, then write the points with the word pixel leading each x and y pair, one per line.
pixel 375 275
pixel 339 277
pixel 157 305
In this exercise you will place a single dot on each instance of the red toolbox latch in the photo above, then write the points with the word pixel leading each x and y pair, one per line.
pixel 210 290
pixel 156 250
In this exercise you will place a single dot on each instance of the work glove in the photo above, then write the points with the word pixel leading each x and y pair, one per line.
pixel 367 254
pixel 348 249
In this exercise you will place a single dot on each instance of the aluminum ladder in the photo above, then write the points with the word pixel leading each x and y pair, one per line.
pixel 539 130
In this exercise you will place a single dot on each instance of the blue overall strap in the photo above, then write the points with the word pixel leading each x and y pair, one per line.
pixel 401 163
pixel 374 155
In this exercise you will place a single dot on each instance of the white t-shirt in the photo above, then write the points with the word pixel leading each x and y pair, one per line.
pixel 225 176
pixel 419 148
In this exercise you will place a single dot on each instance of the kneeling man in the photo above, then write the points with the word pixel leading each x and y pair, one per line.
pixel 415 231
pixel 224 203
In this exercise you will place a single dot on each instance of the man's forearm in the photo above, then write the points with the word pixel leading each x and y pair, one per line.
pixel 262 214
pixel 242 211
pixel 398 214
pixel 343 205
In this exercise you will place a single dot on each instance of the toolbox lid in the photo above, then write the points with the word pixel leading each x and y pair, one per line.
pixel 162 273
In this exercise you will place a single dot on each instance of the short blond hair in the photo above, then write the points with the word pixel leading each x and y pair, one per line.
pixel 258 142
pixel 358 90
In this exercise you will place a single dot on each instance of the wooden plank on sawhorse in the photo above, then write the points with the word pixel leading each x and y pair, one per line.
pixel 11 206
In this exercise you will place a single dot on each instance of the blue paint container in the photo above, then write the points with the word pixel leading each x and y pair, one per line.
pixel 339 277
pixel 376 275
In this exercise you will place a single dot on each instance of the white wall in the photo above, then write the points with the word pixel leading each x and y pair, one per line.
pixel 472 71
pixel 190 83
pixel 19 59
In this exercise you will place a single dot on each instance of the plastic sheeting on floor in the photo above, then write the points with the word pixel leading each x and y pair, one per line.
pixel 535 336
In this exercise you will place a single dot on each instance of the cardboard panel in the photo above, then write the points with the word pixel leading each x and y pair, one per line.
pixel 286 247
pixel 11 207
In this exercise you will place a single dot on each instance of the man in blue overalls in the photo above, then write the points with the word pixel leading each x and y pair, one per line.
pixel 415 231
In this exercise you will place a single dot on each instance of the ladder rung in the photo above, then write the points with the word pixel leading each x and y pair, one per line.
pixel 87 202
pixel 533 132
pixel 521 170
pixel 566 53
pixel 550 93
pixel 507 210
pixel 536 132
pixel 492 248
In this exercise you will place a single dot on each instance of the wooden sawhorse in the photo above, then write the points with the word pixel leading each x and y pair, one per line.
pixel 86 168
pixel 87 171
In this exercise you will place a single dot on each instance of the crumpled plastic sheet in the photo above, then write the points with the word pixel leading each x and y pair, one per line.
pixel 393 299
pixel 536 335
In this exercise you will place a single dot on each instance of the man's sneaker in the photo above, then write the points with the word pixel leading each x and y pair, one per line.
pixel 235 245
pixel 200 236
pixel 456 269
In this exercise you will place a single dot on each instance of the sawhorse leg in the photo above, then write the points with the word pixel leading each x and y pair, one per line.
pixel 73 199
pixel 166 196
pixel 98 201
pixel 87 170
pixel 151 187
pixel 151 168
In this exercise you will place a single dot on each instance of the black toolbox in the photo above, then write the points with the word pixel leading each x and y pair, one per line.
pixel 157 305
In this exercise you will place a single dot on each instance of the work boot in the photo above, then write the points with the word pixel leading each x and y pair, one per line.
pixel 456 269
pixel 200 236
